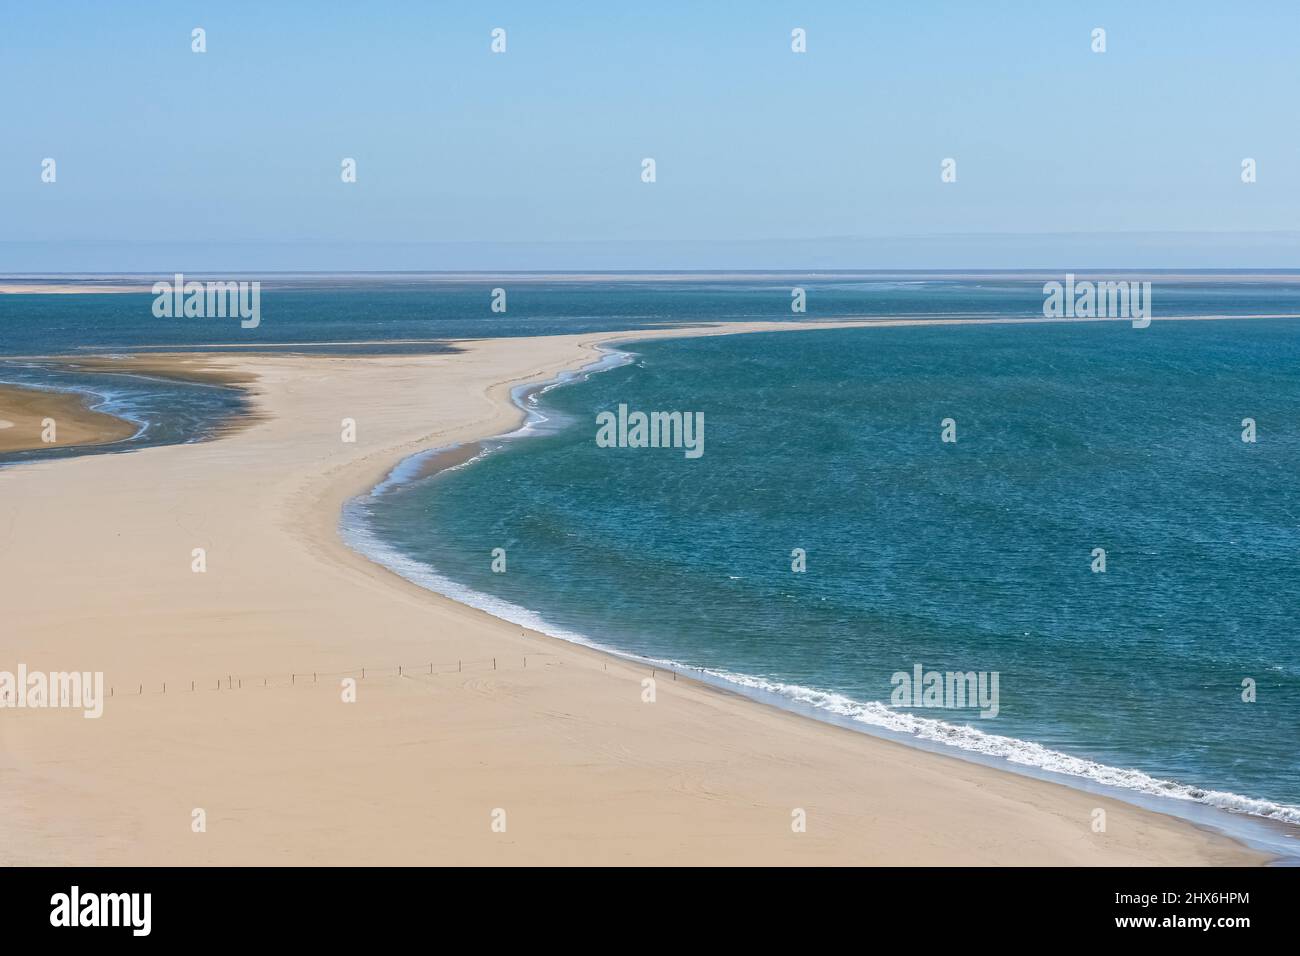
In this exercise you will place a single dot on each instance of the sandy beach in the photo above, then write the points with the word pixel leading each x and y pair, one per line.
pixel 227 684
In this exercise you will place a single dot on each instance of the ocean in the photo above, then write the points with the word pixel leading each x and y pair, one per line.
pixel 828 539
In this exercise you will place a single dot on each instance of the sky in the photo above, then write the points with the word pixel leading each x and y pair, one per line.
pixel 532 158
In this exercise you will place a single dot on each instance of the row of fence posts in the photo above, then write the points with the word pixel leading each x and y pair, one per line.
pixel 232 681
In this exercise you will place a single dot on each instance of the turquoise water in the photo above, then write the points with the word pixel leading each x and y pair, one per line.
pixel 312 311
pixel 966 556
pixel 973 556
pixel 426 312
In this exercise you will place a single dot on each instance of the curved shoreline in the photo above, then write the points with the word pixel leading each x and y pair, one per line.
pixel 1250 819
pixel 556 732
pixel 77 413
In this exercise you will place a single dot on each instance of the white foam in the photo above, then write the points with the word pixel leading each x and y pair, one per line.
pixel 527 397
pixel 361 538
pixel 1011 749
pixel 536 422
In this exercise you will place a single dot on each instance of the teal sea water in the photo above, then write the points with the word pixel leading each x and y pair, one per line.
pixel 968 556
pixel 309 313
pixel 971 556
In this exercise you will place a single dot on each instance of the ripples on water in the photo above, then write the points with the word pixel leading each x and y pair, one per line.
pixel 973 556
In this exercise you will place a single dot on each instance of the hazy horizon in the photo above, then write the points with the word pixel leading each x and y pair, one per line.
pixel 1055 253
pixel 1063 156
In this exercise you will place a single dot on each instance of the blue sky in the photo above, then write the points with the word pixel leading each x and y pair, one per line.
pixel 540 148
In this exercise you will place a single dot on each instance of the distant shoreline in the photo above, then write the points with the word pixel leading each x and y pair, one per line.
pixel 142 282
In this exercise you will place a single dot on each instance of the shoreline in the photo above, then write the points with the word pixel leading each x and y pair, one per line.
pixel 590 772
pixel 24 410
pixel 107 405
pixel 109 358
pixel 1256 828
pixel 48 283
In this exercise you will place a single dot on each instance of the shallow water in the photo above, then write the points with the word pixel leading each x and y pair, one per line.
pixel 968 556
